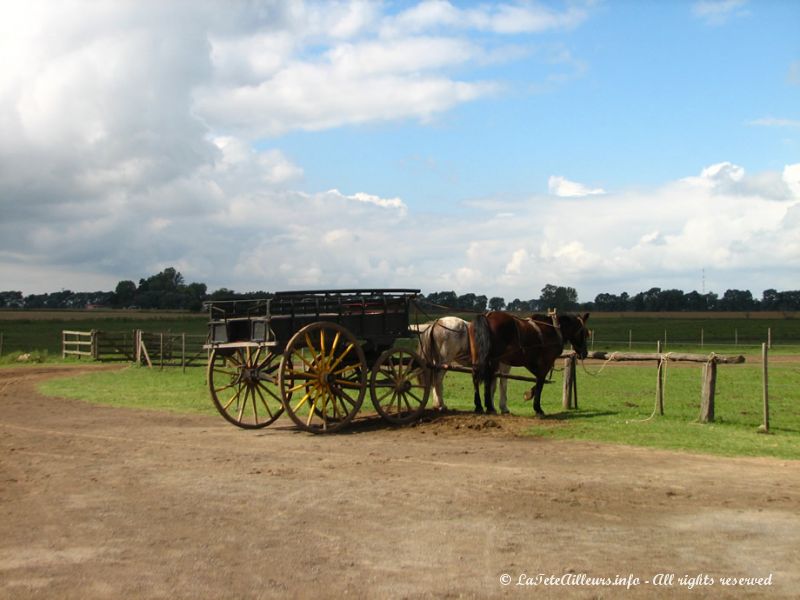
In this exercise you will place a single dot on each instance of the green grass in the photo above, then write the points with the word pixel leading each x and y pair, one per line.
pixel 138 387
pixel 615 404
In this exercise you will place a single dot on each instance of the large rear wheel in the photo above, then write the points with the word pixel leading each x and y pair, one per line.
pixel 322 377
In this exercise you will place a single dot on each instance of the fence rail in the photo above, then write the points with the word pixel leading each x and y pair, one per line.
pixel 161 349
pixel 78 343
pixel 170 349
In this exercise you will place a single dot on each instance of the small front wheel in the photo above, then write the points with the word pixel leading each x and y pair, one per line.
pixel 244 386
pixel 398 386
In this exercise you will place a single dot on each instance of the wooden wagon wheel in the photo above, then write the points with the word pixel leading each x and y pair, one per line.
pixel 244 385
pixel 397 386
pixel 322 377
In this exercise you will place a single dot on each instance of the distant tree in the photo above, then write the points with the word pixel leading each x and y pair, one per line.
pixel 770 299
pixel 611 302
pixel 59 299
pixel 496 303
pixel 195 295
pixel 222 294
pixel 558 297
pixel 446 299
pixel 12 299
pixel 466 301
pixel 671 300
pixel 695 301
pixel 124 293
pixel 524 306
pixel 167 280
pixel 789 300
pixel 737 300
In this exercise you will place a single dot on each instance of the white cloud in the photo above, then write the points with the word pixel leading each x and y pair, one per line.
pixel 793 76
pixel 507 18
pixel 390 203
pixel 127 144
pixel 563 187
pixel 718 12
pixel 791 177
pixel 518 258
pixel 774 122
pixel 724 171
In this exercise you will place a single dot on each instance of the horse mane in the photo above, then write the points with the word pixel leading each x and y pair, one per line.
pixel 548 319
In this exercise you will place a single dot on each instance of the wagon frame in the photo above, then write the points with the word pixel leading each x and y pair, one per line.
pixel 314 354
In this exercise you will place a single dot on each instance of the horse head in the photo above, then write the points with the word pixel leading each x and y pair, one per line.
pixel 574 330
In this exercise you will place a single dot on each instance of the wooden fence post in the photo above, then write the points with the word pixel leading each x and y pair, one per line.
pixel 660 380
pixel 143 349
pixel 709 388
pixel 569 374
pixel 161 350
pixel 769 338
pixel 575 382
pixel 764 360
pixel 95 346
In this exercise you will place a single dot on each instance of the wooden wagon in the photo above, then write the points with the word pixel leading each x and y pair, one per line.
pixel 314 355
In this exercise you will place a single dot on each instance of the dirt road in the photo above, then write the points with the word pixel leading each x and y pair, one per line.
pixel 99 502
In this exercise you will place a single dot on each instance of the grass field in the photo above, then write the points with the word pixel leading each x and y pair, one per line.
pixel 616 403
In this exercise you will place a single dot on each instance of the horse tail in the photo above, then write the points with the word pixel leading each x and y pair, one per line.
pixel 480 340
pixel 428 349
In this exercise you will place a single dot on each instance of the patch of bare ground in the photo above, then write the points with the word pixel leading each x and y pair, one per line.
pixel 100 502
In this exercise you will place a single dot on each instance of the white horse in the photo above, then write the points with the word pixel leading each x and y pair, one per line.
pixel 446 342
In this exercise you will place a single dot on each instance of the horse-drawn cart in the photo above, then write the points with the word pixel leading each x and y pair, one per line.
pixel 314 355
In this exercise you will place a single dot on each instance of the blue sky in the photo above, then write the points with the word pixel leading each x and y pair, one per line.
pixel 485 147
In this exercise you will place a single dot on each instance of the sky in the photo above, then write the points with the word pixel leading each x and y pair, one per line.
pixel 490 147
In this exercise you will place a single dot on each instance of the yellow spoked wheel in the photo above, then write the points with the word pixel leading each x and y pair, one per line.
pixel 397 386
pixel 244 386
pixel 322 377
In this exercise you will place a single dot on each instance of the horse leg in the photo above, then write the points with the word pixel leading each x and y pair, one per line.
pixel 438 387
pixel 488 386
pixel 503 383
pixel 476 383
pixel 537 396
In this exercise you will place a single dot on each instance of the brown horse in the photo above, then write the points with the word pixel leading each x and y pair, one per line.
pixel 534 343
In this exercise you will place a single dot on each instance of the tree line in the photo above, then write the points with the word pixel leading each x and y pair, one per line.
pixel 653 300
pixel 169 290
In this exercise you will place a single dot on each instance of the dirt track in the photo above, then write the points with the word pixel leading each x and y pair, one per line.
pixel 100 502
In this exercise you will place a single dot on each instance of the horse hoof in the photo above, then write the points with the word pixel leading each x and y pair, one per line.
pixel 491 411
pixel 478 411
pixel 539 414
pixel 505 411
